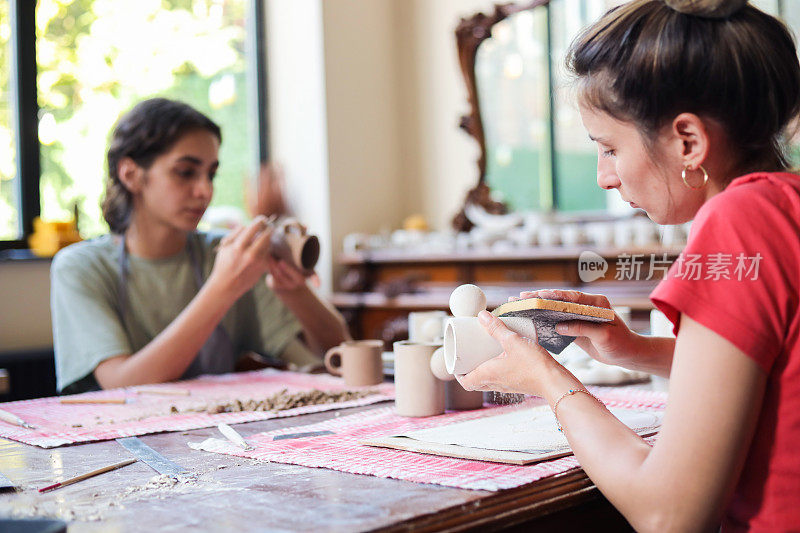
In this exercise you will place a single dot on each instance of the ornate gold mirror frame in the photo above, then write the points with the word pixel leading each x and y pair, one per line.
pixel 470 33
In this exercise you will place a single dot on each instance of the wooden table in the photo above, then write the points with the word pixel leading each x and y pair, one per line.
pixel 236 494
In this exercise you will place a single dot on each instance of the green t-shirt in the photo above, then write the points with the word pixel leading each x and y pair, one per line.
pixel 87 324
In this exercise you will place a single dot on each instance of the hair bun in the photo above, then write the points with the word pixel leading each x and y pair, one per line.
pixel 707 8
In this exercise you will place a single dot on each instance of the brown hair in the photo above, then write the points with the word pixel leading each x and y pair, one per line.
pixel 649 60
pixel 148 130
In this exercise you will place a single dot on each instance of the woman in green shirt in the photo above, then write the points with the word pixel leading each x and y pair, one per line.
pixel 156 300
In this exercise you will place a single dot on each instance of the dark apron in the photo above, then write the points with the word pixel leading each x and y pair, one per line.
pixel 216 356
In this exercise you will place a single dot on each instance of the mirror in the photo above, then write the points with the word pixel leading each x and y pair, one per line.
pixel 512 77
pixel 534 153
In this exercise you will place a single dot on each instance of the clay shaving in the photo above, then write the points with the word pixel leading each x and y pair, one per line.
pixel 279 401
pixel 285 400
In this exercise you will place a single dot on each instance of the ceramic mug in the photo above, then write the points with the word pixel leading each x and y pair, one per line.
pixel 290 243
pixel 417 391
pixel 358 362
pixel 467 344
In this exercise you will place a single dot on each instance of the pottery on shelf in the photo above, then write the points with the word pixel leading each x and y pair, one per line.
pixel 425 326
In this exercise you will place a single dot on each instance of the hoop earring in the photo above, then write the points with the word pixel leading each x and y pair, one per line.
pixel 705 178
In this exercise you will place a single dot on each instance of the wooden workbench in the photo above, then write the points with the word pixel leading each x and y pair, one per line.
pixel 235 494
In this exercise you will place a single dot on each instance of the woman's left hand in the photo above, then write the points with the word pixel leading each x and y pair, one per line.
pixel 523 367
pixel 284 278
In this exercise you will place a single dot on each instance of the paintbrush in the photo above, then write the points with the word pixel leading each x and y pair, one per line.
pixel 79 399
pixel 88 475
pixel 233 436
pixel 11 418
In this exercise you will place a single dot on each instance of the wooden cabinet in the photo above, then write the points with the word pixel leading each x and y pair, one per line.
pixel 378 289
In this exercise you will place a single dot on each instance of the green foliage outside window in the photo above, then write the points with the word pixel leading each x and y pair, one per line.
pixel 98 58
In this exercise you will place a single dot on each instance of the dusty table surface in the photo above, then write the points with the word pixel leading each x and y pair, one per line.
pixel 236 494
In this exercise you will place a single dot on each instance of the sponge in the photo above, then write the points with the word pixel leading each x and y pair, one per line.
pixel 547 313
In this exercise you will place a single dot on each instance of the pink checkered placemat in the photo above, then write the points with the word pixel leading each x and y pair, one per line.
pixel 342 451
pixel 59 424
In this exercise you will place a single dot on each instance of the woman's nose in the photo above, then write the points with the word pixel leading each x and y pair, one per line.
pixel 204 187
pixel 607 173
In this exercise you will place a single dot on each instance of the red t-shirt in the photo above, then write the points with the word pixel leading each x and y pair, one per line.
pixel 739 276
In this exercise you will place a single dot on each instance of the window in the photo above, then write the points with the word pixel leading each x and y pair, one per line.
pixel 575 156
pixel 96 58
pixel 9 188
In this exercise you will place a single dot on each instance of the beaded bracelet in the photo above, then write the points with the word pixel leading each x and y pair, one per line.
pixel 570 392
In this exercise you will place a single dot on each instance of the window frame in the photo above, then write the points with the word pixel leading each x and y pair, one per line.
pixel 25 119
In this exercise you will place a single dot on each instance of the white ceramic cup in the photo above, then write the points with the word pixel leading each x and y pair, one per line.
pixel 548 235
pixel 624 312
pixel 623 233
pixel 644 233
pixel 420 325
pixel 601 233
pixel 467 344
pixel 417 391
pixel 660 326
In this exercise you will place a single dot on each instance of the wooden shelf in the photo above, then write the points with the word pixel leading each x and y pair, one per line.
pixel 539 253
pixel 426 281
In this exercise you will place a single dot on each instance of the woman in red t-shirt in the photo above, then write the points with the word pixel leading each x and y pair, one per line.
pixel 688 102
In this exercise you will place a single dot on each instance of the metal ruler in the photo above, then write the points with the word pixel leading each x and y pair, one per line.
pixel 152 458
pixel 5 483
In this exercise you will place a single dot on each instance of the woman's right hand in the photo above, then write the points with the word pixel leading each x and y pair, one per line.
pixel 242 258
pixel 608 342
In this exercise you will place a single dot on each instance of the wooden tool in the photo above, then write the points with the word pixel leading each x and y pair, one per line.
pixel 88 475
pixel 86 399
pixel 233 436
pixel 11 418
pixel 166 392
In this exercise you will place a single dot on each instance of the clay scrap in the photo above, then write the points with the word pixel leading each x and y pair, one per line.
pixel 285 400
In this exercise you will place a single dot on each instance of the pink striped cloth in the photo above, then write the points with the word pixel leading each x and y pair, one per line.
pixel 58 424
pixel 342 451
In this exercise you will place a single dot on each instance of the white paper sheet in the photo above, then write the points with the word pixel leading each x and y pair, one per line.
pixel 526 430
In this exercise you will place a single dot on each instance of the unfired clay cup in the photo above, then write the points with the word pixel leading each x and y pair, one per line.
pixel 420 325
pixel 417 391
pixel 358 362
pixel 457 398
pixel 467 344
pixel 290 243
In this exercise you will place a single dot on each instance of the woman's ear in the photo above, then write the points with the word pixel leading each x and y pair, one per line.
pixel 693 134
pixel 131 175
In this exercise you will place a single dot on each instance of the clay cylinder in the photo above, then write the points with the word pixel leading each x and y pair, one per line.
pixel 417 391
pixel 457 398
pixel 467 344
pixel 290 243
